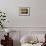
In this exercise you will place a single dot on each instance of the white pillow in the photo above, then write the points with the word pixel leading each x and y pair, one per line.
pixel 41 37
pixel 27 38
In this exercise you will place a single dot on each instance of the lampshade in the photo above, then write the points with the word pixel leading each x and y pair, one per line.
pixel 7 30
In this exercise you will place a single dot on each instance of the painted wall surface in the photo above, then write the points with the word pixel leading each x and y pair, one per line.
pixel 34 22
pixel 37 19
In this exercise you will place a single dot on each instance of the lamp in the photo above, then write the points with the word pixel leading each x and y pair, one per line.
pixel 7 31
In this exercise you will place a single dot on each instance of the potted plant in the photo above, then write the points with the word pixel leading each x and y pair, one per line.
pixel 2 19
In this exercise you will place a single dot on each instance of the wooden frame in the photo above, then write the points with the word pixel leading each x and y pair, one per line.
pixel 24 11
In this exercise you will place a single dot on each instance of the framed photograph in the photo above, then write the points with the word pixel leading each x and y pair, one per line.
pixel 24 11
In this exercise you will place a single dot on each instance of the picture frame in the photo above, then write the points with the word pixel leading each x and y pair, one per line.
pixel 24 11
